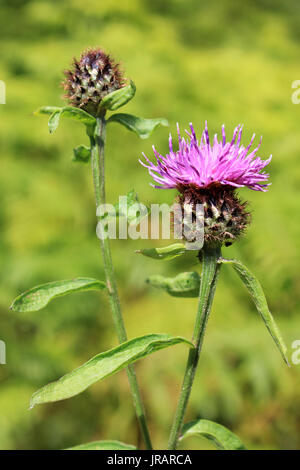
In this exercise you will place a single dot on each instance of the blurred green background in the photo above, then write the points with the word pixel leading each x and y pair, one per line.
pixel 228 62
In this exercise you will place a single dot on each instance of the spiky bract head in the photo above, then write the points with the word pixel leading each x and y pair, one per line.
pixel 90 79
pixel 225 217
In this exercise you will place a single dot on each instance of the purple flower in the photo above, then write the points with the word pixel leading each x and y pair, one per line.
pixel 209 163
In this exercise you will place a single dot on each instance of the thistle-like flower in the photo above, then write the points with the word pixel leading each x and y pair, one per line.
pixel 90 79
pixel 209 173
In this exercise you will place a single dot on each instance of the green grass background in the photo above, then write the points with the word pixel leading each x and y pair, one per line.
pixel 228 62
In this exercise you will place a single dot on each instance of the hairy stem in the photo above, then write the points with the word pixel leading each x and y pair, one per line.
pixel 98 168
pixel 210 272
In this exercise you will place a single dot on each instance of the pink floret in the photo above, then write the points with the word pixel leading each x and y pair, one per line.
pixel 204 163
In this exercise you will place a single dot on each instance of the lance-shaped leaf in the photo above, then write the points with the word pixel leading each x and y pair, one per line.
pixel 104 445
pixel 141 126
pixel 38 297
pixel 118 98
pixel 103 365
pixel 183 285
pixel 69 112
pixel 166 252
pixel 82 154
pixel 220 436
pixel 259 299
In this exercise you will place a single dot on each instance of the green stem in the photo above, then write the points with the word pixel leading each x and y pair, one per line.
pixel 98 167
pixel 210 272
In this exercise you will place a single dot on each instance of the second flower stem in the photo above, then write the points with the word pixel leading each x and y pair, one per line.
pixel 97 139
pixel 210 271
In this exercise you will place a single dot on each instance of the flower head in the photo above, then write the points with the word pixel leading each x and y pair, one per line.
pixel 207 163
pixel 91 78
pixel 208 173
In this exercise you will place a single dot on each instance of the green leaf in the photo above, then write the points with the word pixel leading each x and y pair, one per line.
pixel 103 365
pixel 142 127
pixel 118 98
pixel 166 253
pixel 130 207
pixel 70 112
pixel 48 110
pixel 82 154
pixel 104 445
pixel 54 121
pixel 259 299
pixel 183 285
pixel 220 436
pixel 38 297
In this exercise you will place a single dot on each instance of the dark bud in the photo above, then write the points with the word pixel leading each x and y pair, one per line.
pixel 90 78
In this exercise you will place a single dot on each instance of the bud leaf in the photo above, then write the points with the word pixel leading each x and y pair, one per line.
pixel 128 206
pixel 67 111
pixel 118 98
pixel 72 113
pixel 166 252
pixel 183 285
pixel 141 126
pixel 131 208
pixel 48 110
pixel 82 154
